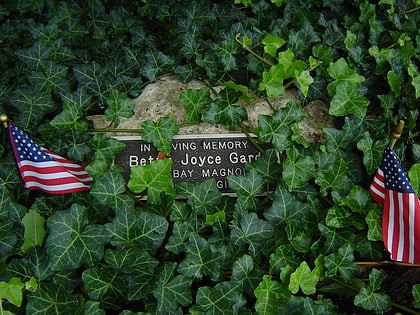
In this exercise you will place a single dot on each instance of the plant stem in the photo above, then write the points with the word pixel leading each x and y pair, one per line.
pixel 104 130
pixel 374 263
pixel 255 143
pixel 288 84
pixel 109 129
pixel 254 53
pixel 207 83
pixel 404 308
pixel 395 305
pixel 410 10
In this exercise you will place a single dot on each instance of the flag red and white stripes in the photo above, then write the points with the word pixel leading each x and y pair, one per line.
pixel 44 170
pixel 401 209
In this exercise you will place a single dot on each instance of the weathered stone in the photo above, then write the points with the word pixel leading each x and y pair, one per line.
pixel 162 98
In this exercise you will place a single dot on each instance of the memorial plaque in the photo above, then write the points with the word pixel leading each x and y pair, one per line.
pixel 195 158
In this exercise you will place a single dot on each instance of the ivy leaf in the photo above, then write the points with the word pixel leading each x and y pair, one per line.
pixel 35 264
pixel 240 88
pixel 106 149
pixel 415 78
pixel 32 106
pixel 130 228
pixel 347 100
pixel 297 169
pixel 267 165
pixel 303 278
pixel 246 3
pixel 395 81
pixel 190 47
pixel 342 73
pixel 372 152
pixel 321 306
pixel 415 290
pixel 93 77
pixel 194 101
pixel 341 143
pixel 155 177
pixel 357 199
pixel 368 299
pixel 8 238
pixel 178 240
pixel 225 298
pixel 338 141
pixel 374 222
pixel 207 61
pixel 68 118
pixel 223 111
pixel 283 256
pixel 252 231
pixel 299 236
pixel 99 21
pixel 286 68
pixel 72 241
pixel 172 291
pixel 69 22
pixel 247 187
pixel 90 307
pixel 243 271
pixel 304 80
pixel 105 285
pixel 5 200
pixel 138 267
pixel 272 44
pixel 109 189
pixel 12 291
pixel 270 294
pixel 61 53
pixel 36 55
pixel 156 63
pixel 50 78
pixel 303 38
pixel 375 280
pixel 341 262
pixel 226 51
pixel 335 238
pixel 203 197
pixel 34 230
pixel 276 128
pixel 414 175
pixel 335 178
pixel 201 260
pixel 339 217
pixel 160 133
pixel 273 81
pixel 130 260
pixel 52 298
pixel 118 105
pixel 286 208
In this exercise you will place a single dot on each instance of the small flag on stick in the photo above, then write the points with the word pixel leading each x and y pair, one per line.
pixel 401 209
pixel 44 170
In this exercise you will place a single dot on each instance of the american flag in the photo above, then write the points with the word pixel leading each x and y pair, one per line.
pixel 44 170
pixel 401 209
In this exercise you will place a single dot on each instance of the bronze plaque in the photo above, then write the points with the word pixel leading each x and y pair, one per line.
pixel 195 158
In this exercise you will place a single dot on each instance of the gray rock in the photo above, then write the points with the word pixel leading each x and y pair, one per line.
pixel 162 98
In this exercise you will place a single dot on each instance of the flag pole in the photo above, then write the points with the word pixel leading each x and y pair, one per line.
pixel 4 119
pixel 396 133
